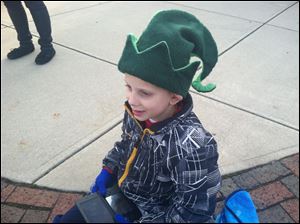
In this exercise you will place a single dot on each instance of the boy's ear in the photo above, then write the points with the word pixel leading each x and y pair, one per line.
pixel 175 98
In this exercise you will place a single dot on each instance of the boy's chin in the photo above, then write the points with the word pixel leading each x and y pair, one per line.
pixel 140 118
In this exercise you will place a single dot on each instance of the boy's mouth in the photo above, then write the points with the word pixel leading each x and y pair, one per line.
pixel 138 112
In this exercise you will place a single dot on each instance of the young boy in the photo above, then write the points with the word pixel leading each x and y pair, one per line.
pixel 166 162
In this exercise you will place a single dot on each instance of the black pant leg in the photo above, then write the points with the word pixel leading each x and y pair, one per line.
pixel 42 22
pixel 73 216
pixel 18 17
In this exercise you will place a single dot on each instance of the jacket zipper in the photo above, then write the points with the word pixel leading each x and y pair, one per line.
pixel 134 151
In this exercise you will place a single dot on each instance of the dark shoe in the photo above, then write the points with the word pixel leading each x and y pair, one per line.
pixel 20 52
pixel 45 56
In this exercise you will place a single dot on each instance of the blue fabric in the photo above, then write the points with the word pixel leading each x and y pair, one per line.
pixel 238 208
pixel 57 219
pixel 103 180
pixel 121 219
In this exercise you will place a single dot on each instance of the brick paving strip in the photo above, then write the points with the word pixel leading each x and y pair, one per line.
pixel 23 203
pixel 274 188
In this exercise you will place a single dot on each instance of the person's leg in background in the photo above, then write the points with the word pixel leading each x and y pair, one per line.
pixel 19 19
pixel 71 216
pixel 42 22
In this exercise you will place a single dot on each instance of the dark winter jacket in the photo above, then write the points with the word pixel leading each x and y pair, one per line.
pixel 173 174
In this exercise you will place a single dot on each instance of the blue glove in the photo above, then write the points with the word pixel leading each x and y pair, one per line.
pixel 103 180
pixel 121 219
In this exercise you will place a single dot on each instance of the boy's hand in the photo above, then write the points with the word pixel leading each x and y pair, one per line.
pixel 121 219
pixel 103 180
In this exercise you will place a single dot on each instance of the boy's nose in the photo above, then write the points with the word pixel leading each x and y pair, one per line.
pixel 132 100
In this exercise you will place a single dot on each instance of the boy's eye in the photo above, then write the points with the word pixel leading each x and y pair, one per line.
pixel 140 92
pixel 145 93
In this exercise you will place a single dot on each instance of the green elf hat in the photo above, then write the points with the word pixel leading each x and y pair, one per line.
pixel 161 56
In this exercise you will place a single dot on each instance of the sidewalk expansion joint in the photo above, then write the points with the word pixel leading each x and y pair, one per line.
pixel 248 111
pixel 77 151
pixel 257 28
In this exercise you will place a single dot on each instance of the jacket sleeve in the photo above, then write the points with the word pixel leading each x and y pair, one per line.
pixel 197 179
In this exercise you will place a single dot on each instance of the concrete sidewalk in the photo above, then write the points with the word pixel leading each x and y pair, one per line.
pixel 59 120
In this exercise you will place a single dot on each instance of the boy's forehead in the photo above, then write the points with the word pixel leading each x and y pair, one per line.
pixel 132 80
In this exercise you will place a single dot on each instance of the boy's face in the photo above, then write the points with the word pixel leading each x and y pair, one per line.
pixel 149 101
